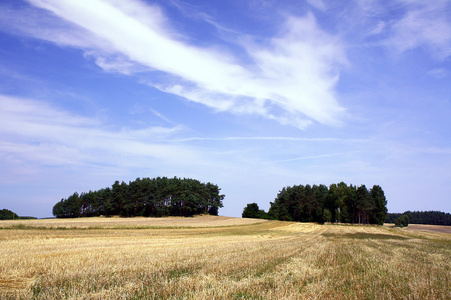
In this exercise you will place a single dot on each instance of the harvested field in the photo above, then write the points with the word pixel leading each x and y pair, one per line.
pixel 430 228
pixel 137 222
pixel 217 260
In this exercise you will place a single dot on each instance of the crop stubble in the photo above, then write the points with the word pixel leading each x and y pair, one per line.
pixel 214 260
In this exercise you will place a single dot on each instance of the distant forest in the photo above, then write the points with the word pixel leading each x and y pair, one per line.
pixel 338 203
pixel 157 197
pixel 422 217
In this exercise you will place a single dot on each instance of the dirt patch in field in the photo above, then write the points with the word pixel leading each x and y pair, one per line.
pixel 430 228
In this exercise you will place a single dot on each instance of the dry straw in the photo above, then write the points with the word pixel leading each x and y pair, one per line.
pixel 219 258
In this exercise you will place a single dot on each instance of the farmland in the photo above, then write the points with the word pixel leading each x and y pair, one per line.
pixel 210 257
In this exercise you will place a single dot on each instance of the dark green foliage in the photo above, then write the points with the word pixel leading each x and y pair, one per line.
pixel 327 215
pixel 422 217
pixel 157 197
pixel 6 214
pixel 253 211
pixel 380 212
pixel 338 203
pixel 402 221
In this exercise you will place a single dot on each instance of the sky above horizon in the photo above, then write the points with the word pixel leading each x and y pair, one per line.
pixel 250 95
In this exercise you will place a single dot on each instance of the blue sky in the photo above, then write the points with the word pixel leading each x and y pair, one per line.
pixel 250 95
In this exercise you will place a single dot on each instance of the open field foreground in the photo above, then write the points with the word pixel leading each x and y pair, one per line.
pixel 220 259
pixel 137 222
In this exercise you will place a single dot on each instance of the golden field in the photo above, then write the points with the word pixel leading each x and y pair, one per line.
pixel 209 257
pixel 137 222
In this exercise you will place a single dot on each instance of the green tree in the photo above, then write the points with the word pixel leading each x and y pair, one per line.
pixel 6 214
pixel 250 211
pixel 58 209
pixel 214 198
pixel 339 203
pixel 402 221
pixel 343 202
pixel 159 197
pixel 285 201
pixel 327 215
pixel 105 202
pixel 380 204
pixel 253 211
pixel 73 206
pixel 363 205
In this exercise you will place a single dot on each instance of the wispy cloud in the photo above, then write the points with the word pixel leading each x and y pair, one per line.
pixel 289 78
pixel 311 157
pixel 39 133
pixel 379 27
pixel 438 73
pixel 259 138
pixel 400 25
pixel 319 4
pixel 424 24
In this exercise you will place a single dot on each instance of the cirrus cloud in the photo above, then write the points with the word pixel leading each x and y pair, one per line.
pixel 289 78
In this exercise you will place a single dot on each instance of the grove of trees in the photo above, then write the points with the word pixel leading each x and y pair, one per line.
pixel 157 197
pixel 6 214
pixel 338 203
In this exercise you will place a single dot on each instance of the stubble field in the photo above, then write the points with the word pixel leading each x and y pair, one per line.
pixel 219 258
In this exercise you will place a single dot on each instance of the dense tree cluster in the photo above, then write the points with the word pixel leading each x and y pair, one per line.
pixel 422 217
pixel 402 221
pixel 253 211
pixel 338 203
pixel 6 214
pixel 157 197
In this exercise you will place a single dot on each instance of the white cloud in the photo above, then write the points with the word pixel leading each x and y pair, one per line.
pixel 438 73
pixel 300 70
pixel 45 25
pixel 319 4
pixel 378 28
pixel 425 24
pixel 291 79
pixel 312 157
pixel 262 138
pixel 38 133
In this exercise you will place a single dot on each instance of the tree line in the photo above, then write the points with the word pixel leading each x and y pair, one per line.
pixel 319 203
pixel 422 217
pixel 157 197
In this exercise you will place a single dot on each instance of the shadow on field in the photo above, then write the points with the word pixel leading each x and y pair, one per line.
pixel 365 235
